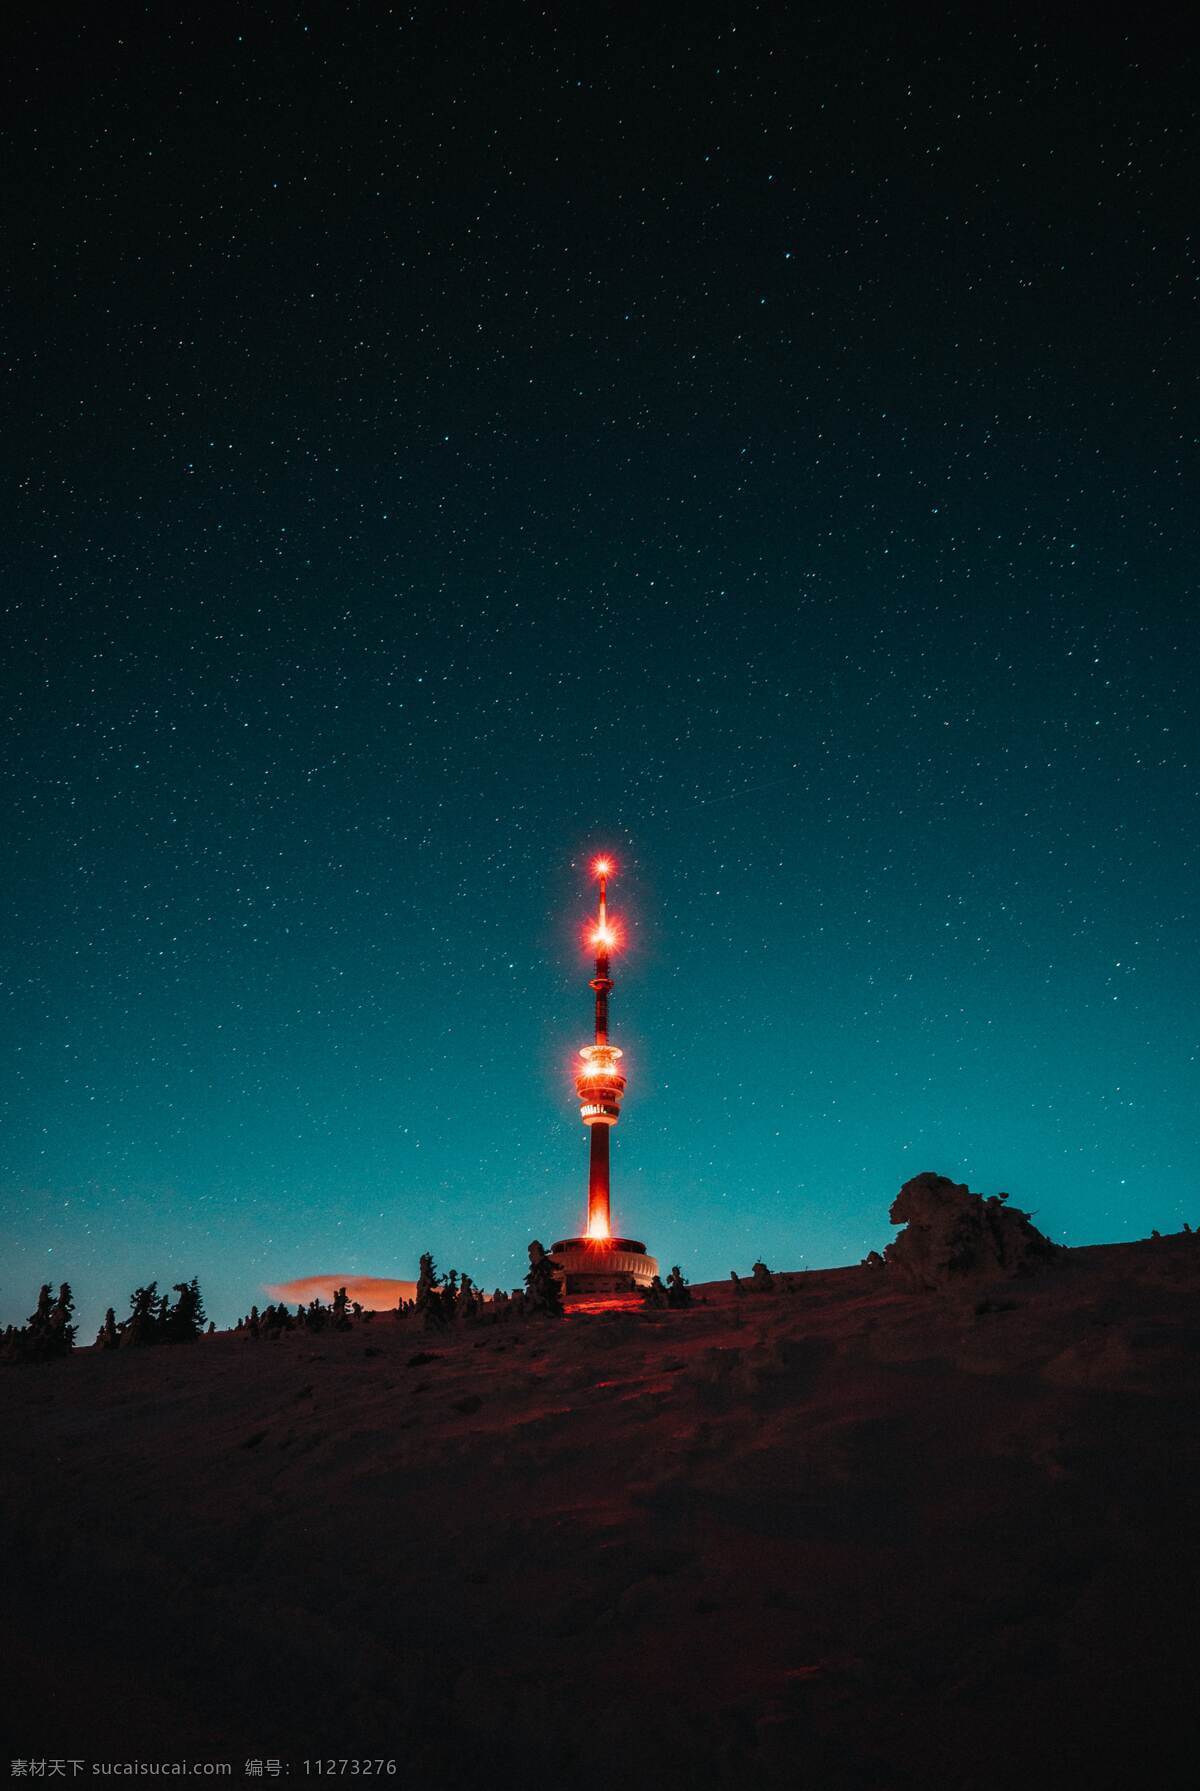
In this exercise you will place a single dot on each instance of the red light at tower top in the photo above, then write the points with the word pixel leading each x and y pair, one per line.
pixel 603 936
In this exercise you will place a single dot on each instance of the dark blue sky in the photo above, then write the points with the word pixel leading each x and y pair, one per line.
pixel 442 446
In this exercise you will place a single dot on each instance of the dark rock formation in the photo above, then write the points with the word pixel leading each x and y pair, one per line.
pixel 953 1235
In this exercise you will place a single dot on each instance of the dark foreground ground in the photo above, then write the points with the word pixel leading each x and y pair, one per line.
pixel 834 1536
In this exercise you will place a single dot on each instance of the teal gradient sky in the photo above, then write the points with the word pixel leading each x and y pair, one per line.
pixel 435 462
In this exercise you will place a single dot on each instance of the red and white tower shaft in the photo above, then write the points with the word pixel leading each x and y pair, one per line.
pixel 600 1084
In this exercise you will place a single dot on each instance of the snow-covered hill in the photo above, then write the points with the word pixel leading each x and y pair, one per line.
pixel 837 1534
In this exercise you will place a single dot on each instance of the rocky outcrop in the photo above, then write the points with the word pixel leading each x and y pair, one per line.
pixel 952 1235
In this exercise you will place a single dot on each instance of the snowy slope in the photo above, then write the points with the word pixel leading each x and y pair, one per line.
pixel 833 1535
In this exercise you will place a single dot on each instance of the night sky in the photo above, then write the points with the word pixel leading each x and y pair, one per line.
pixel 443 443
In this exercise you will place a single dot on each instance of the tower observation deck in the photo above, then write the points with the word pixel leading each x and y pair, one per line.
pixel 598 1262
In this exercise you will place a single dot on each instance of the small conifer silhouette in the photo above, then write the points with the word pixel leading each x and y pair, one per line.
pixel 62 1329
pixel 679 1294
pixel 140 1327
pixel 185 1320
pixel 543 1295
pixel 429 1306
pixel 655 1294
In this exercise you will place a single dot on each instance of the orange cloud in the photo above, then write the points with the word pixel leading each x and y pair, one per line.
pixel 373 1292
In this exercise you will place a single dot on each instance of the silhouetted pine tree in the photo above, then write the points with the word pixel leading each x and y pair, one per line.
pixel 679 1294
pixel 449 1297
pixel 39 1321
pixel 467 1305
pixel 429 1300
pixel 656 1294
pixel 140 1327
pixel 185 1320
pixel 107 1337
pixel 61 1338
pixel 49 1331
pixel 543 1294
pixel 341 1317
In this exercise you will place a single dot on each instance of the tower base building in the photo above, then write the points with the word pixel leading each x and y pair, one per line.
pixel 611 1266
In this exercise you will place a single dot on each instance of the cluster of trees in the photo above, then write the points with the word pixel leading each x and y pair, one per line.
pixel 440 1301
pixel 272 1321
pixel 154 1319
pixel 454 1298
pixel 674 1292
pixel 49 1332
pixel 443 1301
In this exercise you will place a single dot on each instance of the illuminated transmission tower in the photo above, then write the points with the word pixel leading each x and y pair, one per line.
pixel 600 1083
pixel 599 1263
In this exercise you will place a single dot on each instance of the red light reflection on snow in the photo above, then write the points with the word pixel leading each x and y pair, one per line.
pixel 586 1305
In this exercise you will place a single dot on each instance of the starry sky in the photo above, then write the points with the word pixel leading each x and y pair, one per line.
pixel 445 442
